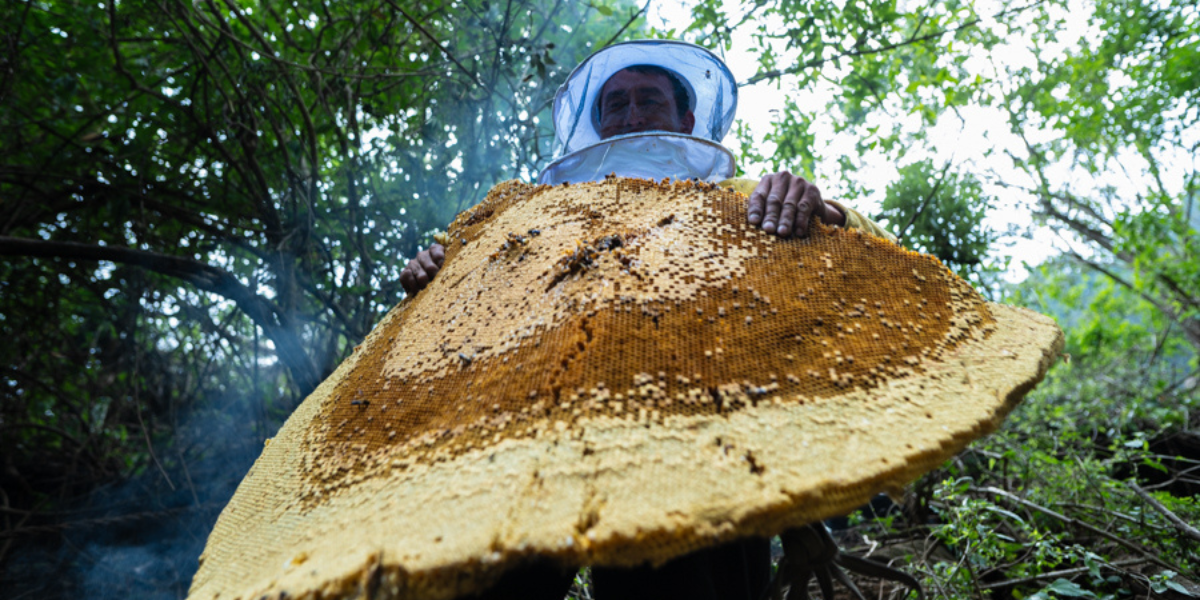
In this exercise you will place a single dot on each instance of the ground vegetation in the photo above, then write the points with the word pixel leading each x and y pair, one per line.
pixel 1090 124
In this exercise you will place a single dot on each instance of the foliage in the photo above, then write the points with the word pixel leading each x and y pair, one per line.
pixel 1102 122
pixel 1049 507
pixel 1120 102
pixel 1094 123
pixel 942 213
pixel 1051 500
pixel 1128 359
pixel 208 203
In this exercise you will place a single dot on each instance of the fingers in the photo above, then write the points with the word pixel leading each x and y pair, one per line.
pixel 408 281
pixel 785 204
pixel 787 216
pixel 413 278
pixel 438 253
pixel 757 204
pixel 779 189
pixel 420 270
pixel 430 266
pixel 809 206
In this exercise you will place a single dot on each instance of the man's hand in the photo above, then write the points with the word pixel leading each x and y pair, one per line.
pixel 420 270
pixel 785 205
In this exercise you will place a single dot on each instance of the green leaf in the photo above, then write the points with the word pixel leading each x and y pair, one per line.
pixel 1006 513
pixel 1062 587
pixel 1179 588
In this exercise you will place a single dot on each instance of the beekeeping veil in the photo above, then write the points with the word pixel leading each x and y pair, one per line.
pixel 581 154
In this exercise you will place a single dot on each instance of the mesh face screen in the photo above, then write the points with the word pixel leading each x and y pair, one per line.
pixel 613 374
pixel 633 300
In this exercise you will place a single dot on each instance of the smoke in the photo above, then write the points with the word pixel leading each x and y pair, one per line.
pixel 142 537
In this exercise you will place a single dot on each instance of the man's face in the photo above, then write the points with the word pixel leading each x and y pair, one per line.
pixel 632 102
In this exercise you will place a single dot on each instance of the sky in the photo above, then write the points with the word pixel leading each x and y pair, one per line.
pixel 960 140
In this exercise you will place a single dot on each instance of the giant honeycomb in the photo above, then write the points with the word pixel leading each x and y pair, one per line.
pixel 617 373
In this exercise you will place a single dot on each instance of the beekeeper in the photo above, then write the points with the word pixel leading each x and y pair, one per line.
pixel 659 109
pixel 655 109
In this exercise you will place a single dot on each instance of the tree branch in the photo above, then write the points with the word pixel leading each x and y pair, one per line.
pixel 633 17
pixel 1061 573
pixel 855 52
pixel 1179 524
pixel 436 44
pixel 924 203
pixel 204 276
pixel 1150 556
pixel 1191 328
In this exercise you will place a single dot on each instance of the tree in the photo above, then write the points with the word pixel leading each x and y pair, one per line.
pixel 1125 102
pixel 213 200
pixel 1094 116
pixel 942 213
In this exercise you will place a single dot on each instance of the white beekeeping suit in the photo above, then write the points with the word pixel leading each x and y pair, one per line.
pixel 580 153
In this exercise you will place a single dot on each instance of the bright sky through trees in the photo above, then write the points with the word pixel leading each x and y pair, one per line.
pixel 963 140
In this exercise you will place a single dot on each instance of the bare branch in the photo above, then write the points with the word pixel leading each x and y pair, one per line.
pixel 924 203
pixel 204 276
pixel 632 17
pixel 1179 524
pixel 1150 555
pixel 1129 562
pixel 855 51
pixel 445 52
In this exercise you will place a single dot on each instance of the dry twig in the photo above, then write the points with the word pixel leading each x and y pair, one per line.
pixel 1179 524
pixel 1060 573
pixel 1150 555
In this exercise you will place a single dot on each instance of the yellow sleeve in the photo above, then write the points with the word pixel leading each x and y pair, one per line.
pixel 854 219
pixel 857 220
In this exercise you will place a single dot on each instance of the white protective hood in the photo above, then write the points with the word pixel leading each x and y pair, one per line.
pixel 649 155
pixel 582 156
